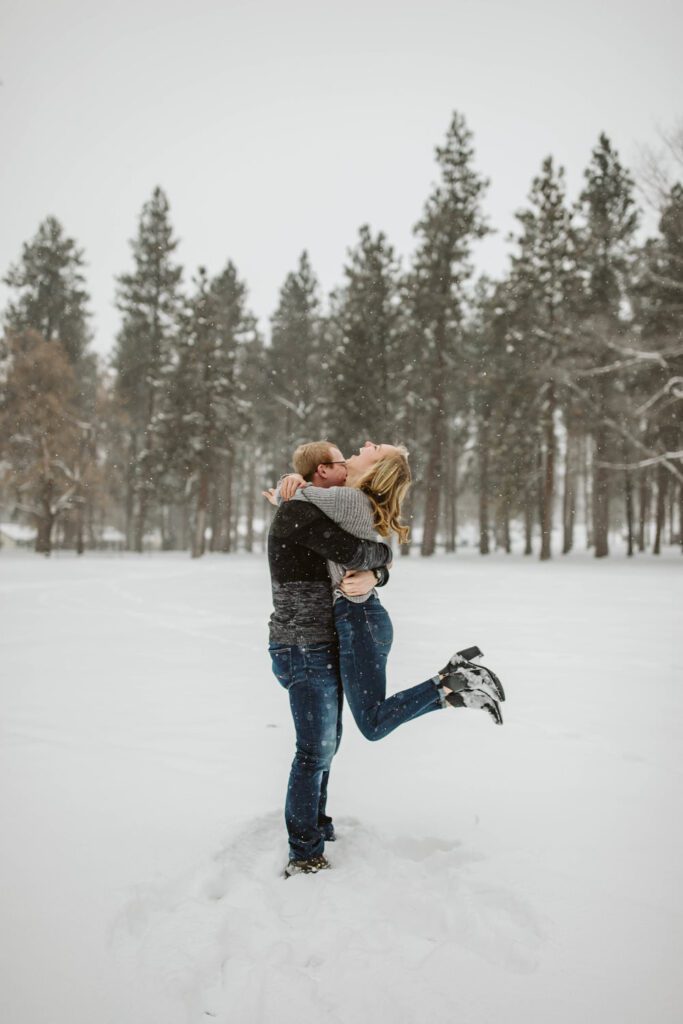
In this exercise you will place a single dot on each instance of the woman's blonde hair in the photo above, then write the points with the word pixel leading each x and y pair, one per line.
pixel 386 485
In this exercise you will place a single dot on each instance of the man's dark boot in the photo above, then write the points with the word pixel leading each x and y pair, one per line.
pixel 310 866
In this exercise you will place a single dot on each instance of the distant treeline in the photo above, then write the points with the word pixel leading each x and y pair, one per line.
pixel 551 397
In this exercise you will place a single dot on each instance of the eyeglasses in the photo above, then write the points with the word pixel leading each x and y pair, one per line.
pixel 339 463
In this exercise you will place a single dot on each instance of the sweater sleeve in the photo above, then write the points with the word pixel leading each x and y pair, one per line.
pixel 307 525
pixel 382 573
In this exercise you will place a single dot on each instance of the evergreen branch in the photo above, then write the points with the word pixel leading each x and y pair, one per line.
pixel 296 409
pixel 671 387
pixel 628 350
pixel 665 281
pixel 654 461
pixel 619 429
pixel 601 371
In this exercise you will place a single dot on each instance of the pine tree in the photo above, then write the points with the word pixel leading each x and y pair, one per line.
pixel 202 421
pixel 659 313
pixel 502 400
pixel 298 372
pixel 544 280
pixel 237 343
pixel 255 431
pixel 40 431
pixel 451 222
pixel 364 386
pixel 51 297
pixel 149 299
pixel 610 220
pixel 50 301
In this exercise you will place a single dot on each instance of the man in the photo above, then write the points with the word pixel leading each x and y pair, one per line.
pixel 303 644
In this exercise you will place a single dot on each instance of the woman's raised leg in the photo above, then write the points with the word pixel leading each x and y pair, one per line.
pixel 365 635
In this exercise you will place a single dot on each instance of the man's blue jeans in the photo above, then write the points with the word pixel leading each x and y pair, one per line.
pixel 365 636
pixel 310 674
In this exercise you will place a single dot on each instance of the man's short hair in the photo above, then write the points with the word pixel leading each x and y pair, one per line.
pixel 308 457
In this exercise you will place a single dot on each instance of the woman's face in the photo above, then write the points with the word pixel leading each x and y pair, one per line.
pixel 367 456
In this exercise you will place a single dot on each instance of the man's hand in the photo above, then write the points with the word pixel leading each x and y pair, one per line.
pixel 290 484
pixel 269 495
pixel 357 582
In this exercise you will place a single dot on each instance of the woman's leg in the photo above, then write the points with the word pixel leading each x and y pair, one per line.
pixel 365 635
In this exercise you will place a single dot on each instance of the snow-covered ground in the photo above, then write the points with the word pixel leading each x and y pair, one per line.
pixel 526 874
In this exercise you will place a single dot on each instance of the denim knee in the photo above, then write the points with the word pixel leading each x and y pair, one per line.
pixel 313 760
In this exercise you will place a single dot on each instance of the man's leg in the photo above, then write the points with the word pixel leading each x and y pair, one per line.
pixel 313 689
pixel 324 820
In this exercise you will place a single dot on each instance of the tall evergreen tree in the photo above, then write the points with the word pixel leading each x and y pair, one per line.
pixel 610 219
pixel 451 222
pixel 50 301
pixel 203 418
pixel 236 353
pixel 149 299
pixel 503 404
pixel 365 382
pixel 545 282
pixel 51 298
pixel 659 313
pixel 40 431
pixel 298 372
pixel 255 433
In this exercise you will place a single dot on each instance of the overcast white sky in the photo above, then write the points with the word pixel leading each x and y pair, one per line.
pixel 278 126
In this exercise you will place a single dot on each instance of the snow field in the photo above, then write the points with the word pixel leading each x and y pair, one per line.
pixel 528 873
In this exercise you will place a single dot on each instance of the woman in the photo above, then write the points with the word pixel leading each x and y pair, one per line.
pixel 377 483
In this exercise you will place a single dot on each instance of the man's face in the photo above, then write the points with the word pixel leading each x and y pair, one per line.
pixel 332 473
pixel 367 456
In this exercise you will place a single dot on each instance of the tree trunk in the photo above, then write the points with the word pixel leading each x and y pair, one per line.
pixel 548 491
pixel 226 538
pixel 46 519
pixel 662 485
pixel 163 527
pixel 628 493
pixel 235 524
pixel 407 518
pixel 140 521
pixel 450 487
pixel 199 539
pixel 251 501
pixel 130 494
pixel 44 535
pixel 185 525
pixel 484 524
pixel 528 521
pixel 433 483
pixel 214 543
pixel 80 525
pixel 643 509
pixel 569 498
pixel 600 493
pixel 587 494
pixel 505 521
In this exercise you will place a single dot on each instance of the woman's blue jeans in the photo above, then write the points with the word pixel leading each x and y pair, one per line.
pixel 365 635
pixel 310 674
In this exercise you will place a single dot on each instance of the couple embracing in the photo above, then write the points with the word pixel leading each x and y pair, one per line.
pixel 329 633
